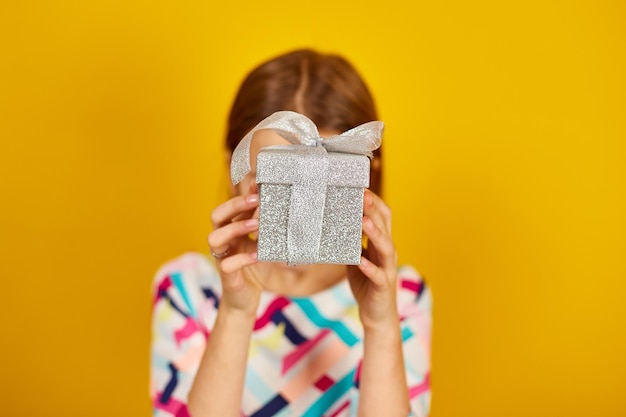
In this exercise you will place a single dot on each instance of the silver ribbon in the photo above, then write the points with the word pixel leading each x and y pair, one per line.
pixel 298 129
pixel 309 185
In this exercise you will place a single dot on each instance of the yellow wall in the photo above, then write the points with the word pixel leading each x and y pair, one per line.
pixel 504 166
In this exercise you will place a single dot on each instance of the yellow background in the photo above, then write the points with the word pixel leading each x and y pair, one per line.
pixel 504 167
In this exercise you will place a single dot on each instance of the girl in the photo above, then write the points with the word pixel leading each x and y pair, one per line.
pixel 238 337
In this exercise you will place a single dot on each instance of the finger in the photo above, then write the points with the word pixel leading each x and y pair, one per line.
pixel 375 208
pixel 221 239
pixel 232 264
pixel 226 212
pixel 252 189
pixel 255 215
pixel 374 273
pixel 381 241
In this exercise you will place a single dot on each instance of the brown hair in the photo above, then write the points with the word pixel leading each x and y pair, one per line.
pixel 324 87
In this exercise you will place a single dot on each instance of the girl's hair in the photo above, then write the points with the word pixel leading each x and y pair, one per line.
pixel 324 87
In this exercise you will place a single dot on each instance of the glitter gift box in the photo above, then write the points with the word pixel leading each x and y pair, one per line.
pixel 311 192
pixel 311 205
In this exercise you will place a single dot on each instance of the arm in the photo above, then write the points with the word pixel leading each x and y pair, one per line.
pixel 218 386
pixel 223 367
pixel 383 383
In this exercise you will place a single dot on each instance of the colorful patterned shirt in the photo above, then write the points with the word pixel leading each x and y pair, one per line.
pixel 305 352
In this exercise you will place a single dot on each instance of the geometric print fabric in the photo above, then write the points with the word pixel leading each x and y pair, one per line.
pixel 305 352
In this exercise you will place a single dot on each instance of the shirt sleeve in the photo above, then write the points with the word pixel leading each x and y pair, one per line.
pixel 179 334
pixel 415 308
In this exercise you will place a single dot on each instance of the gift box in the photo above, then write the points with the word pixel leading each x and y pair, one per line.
pixel 311 205
pixel 311 192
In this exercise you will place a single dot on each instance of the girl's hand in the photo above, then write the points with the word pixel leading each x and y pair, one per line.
pixel 374 281
pixel 233 250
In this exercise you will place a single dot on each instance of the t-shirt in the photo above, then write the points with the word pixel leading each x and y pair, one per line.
pixel 305 352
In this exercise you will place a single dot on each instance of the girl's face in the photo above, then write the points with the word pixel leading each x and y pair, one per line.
pixel 260 140
pixel 248 186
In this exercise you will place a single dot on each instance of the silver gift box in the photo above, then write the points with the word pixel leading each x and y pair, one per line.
pixel 311 205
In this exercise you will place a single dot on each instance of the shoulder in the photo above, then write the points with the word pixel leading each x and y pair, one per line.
pixel 410 279
pixel 194 263
pixel 412 289
pixel 186 280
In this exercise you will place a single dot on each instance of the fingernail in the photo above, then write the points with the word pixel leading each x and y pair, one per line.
pixel 254 236
pixel 251 223
pixel 254 255
pixel 252 198
pixel 364 262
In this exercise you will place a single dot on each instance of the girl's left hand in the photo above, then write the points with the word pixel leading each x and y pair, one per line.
pixel 374 281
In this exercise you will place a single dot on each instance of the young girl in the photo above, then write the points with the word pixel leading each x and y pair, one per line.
pixel 233 336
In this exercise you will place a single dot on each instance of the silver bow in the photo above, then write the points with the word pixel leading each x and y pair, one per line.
pixel 300 130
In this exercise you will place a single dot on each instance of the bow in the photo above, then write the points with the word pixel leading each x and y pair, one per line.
pixel 300 130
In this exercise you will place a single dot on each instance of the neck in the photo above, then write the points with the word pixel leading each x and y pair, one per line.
pixel 297 281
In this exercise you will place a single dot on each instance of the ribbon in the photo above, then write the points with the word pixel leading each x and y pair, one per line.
pixel 309 176
pixel 298 129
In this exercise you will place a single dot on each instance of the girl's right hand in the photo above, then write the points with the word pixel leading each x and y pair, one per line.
pixel 233 222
